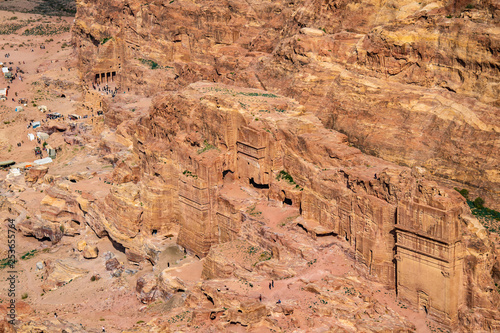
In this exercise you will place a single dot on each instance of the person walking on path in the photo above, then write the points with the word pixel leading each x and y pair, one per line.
pixel 272 283
pixel 269 285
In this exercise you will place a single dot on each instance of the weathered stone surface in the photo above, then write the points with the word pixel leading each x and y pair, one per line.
pixel 63 207
pixel 90 252
pixel 170 284
pixel 58 273
pixel 402 80
pixel 112 264
pixel 339 191
pixel 41 229
pixel 36 173
pixel 81 245
pixel 147 289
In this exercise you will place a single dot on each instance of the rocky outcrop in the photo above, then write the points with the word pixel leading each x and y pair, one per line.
pixel 59 273
pixel 194 139
pixel 90 252
pixel 413 83
pixel 36 173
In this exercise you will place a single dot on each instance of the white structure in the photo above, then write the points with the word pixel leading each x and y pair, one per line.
pixel 42 161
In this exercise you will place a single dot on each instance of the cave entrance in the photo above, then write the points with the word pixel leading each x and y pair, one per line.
pixel 227 175
pixel 252 182
pixel 154 232
pixel 117 246
pixel 286 201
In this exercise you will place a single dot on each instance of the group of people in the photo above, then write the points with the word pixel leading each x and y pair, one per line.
pixel 105 89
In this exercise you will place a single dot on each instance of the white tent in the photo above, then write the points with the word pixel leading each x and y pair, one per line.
pixel 5 69
pixel 42 161
pixel 31 136
pixel 3 92
pixel 42 135
pixel 42 108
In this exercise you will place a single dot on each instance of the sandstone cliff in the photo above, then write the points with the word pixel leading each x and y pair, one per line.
pixel 413 83
pixel 198 142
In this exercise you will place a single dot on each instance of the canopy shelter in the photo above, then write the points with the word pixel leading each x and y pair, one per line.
pixel 43 108
pixel 42 136
pixel 19 108
pixel 36 124
pixel 54 115
pixel 4 164
pixel 42 161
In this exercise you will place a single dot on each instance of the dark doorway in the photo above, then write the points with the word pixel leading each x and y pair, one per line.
pixel 260 186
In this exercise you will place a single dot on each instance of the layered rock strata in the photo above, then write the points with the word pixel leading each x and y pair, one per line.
pixel 197 143
pixel 413 83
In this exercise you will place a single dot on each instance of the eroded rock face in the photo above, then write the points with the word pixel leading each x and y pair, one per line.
pixel 400 80
pixel 397 222
pixel 413 83
pixel 90 252
pixel 58 273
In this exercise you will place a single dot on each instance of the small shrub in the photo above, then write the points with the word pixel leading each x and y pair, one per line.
pixel 464 192
pixel 479 202
pixel 206 146
pixel 24 296
pixel 285 176
pixel 152 64
pixel 105 40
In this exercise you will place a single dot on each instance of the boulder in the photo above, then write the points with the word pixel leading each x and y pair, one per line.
pixel 81 245
pixel 147 289
pixel 112 264
pixel 170 284
pixel 60 272
pixel 90 252
pixel 36 173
